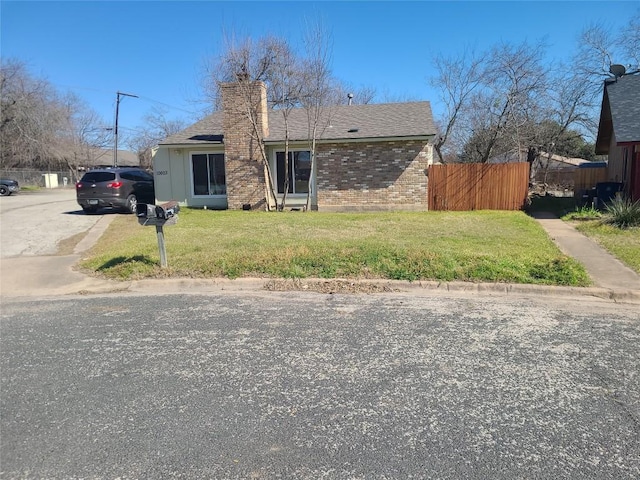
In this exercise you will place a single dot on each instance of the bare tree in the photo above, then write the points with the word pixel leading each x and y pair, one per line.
pixel 489 97
pixel 31 116
pixel 293 81
pixel 41 128
pixel 457 79
pixel 244 63
pixel 84 135
pixel 629 41
pixel 157 127
pixel 345 94
pixel 512 81
pixel 599 48
pixel 318 91
pixel 286 86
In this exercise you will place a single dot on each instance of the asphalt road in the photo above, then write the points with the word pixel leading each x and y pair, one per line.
pixel 304 385
pixel 32 224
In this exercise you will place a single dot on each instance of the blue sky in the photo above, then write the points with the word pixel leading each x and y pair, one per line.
pixel 156 49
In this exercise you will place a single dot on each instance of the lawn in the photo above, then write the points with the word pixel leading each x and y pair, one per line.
pixel 481 246
pixel 623 243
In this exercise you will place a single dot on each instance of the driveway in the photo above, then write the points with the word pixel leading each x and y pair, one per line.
pixel 33 224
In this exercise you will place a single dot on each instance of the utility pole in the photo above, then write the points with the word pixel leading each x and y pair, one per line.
pixel 115 129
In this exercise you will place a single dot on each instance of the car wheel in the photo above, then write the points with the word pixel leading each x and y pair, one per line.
pixel 4 190
pixel 132 202
pixel 89 209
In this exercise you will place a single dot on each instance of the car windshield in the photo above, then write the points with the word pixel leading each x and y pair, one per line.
pixel 96 177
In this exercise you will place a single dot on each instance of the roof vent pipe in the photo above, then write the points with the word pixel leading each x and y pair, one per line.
pixel 350 97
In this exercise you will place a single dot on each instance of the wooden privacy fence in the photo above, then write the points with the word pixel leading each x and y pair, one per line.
pixel 478 186
pixel 587 178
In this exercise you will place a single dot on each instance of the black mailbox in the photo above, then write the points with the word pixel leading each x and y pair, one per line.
pixel 145 210
pixel 158 216
pixel 163 211
pixel 167 210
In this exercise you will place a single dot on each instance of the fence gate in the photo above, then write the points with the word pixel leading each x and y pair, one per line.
pixel 478 186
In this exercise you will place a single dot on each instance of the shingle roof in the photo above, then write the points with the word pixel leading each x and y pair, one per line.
pixel 197 133
pixel 620 112
pixel 388 120
pixel 512 157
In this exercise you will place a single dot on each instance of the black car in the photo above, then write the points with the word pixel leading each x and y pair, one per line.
pixel 8 186
pixel 120 188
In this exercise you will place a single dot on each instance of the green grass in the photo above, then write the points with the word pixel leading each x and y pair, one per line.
pixel 485 246
pixel 583 213
pixel 622 243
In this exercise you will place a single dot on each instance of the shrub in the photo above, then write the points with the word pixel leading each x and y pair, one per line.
pixel 622 213
pixel 583 213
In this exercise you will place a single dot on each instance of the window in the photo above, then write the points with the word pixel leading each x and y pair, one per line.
pixel 136 176
pixel 208 174
pixel 299 171
pixel 97 177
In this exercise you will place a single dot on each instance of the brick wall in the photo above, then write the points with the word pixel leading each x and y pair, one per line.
pixel 243 163
pixel 372 176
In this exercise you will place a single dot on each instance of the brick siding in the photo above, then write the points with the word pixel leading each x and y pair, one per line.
pixel 388 175
pixel 243 164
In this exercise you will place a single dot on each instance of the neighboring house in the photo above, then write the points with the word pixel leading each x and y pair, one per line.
pixel 368 157
pixel 554 169
pixel 619 132
pixel 103 157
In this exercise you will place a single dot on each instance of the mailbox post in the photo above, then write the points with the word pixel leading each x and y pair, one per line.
pixel 158 216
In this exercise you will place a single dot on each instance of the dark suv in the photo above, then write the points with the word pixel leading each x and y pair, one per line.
pixel 120 188
pixel 8 186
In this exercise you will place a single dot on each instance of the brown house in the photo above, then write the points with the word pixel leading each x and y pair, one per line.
pixel 619 132
pixel 368 157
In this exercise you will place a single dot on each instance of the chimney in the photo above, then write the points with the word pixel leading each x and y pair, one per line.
pixel 244 103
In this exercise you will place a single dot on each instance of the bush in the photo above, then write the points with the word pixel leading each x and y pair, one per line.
pixel 622 213
pixel 583 213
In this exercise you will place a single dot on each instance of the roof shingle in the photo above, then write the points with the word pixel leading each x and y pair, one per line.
pixel 344 122
pixel 620 112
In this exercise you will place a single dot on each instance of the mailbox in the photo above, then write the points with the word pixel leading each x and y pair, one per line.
pixel 158 215
pixel 164 211
pixel 167 210
pixel 145 210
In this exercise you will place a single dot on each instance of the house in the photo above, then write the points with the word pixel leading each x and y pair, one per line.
pixel 619 132
pixel 368 157
pixel 103 157
pixel 551 170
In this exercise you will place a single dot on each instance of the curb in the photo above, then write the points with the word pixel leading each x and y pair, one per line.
pixel 166 286
pixel 350 286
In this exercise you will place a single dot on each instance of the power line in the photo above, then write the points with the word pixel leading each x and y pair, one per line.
pixel 76 87
pixel 191 112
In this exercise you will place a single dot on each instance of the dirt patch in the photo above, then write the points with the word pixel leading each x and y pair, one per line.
pixel 330 286
pixel 68 245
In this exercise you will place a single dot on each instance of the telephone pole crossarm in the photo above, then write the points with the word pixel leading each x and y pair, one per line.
pixel 115 128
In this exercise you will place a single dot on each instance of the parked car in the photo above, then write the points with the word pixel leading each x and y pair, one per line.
pixel 119 188
pixel 8 186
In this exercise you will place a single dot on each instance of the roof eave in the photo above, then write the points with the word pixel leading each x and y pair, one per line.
pixel 605 126
pixel 186 145
pixel 426 138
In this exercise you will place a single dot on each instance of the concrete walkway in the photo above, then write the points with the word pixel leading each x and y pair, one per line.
pixel 605 270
